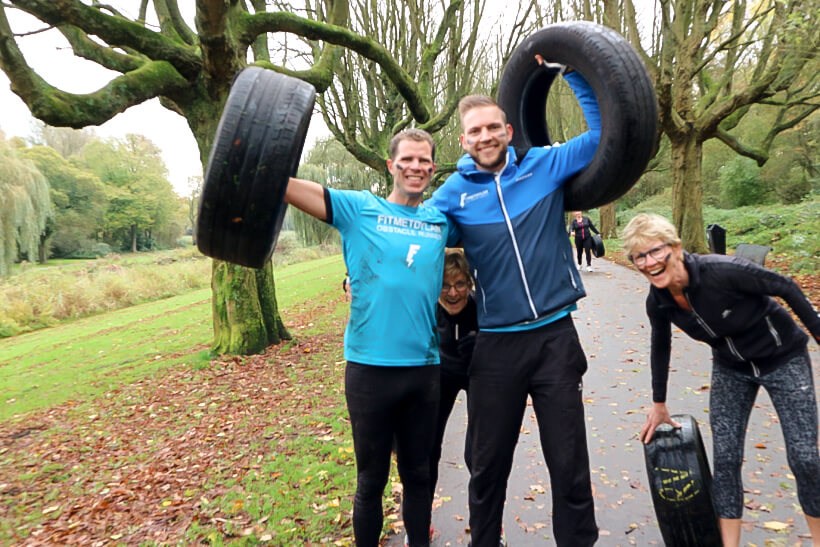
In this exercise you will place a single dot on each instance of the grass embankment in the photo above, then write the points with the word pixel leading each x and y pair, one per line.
pixel 120 428
pixel 39 296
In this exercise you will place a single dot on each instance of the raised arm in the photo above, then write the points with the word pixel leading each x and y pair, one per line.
pixel 307 196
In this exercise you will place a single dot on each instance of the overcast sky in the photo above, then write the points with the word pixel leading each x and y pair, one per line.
pixel 50 55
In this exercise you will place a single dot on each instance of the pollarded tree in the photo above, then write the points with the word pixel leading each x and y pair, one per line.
pixel 190 70
pixel 711 62
pixel 25 207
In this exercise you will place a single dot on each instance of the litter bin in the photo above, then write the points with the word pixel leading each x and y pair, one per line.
pixel 716 235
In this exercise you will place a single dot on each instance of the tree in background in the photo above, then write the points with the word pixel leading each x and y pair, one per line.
pixel 141 200
pixel 194 187
pixel 712 62
pixel 191 72
pixel 79 199
pixel 66 141
pixel 25 207
pixel 434 44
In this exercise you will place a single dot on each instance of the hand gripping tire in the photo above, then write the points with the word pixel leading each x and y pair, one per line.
pixel 256 150
pixel 681 485
pixel 626 98
pixel 597 246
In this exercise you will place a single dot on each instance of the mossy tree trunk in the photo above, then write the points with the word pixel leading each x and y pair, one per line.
pixel 245 312
pixel 687 193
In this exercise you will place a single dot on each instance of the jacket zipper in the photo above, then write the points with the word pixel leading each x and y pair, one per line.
pixel 712 333
pixel 483 296
pixel 774 332
pixel 515 245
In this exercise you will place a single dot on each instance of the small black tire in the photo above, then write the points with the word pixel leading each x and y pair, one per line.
pixel 598 246
pixel 626 98
pixel 680 482
pixel 256 150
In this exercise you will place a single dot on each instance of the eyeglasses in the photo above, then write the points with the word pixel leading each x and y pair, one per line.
pixel 655 252
pixel 458 285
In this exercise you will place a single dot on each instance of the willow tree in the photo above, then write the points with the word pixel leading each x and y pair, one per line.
pixel 190 70
pixel 25 207
pixel 712 62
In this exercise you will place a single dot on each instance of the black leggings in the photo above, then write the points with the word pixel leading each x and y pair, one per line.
pixel 584 245
pixel 451 384
pixel 386 402
pixel 791 389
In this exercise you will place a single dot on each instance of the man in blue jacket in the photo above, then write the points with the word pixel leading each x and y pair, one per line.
pixel 509 216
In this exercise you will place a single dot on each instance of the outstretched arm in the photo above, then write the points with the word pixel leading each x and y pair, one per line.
pixel 307 196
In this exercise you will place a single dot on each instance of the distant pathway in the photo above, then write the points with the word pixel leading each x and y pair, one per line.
pixel 614 332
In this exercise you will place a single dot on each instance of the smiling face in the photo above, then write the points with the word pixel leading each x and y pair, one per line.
pixel 412 169
pixel 486 136
pixel 454 292
pixel 662 264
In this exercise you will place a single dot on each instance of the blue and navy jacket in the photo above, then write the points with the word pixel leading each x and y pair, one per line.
pixel 511 225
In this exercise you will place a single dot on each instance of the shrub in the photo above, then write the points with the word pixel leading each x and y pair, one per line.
pixel 741 184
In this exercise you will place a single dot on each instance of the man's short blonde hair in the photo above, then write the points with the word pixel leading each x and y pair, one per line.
pixel 646 228
pixel 470 102
pixel 418 135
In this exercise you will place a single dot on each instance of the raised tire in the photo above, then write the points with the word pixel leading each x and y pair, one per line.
pixel 257 148
pixel 626 98
pixel 681 485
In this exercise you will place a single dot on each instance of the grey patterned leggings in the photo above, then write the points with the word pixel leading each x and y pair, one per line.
pixel 791 389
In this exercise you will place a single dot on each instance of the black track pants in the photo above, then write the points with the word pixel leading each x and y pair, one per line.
pixel 383 403
pixel 547 364
pixel 584 245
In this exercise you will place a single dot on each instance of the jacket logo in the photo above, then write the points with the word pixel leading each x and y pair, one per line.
pixel 524 177
pixel 467 198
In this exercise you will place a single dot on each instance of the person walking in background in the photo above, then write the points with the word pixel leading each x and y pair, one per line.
pixel 726 302
pixel 509 216
pixel 582 229
pixel 394 252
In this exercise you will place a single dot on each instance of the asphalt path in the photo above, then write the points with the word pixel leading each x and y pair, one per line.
pixel 614 332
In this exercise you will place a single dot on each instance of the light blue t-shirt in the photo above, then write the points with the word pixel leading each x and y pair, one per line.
pixel 395 260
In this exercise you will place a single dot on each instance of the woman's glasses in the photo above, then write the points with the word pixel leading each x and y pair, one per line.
pixel 458 285
pixel 658 253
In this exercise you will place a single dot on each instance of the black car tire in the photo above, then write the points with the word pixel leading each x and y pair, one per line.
pixel 626 98
pixel 598 246
pixel 256 150
pixel 681 485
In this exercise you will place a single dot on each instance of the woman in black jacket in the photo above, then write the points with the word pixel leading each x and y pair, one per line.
pixel 582 228
pixel 726 302
pixel 457 327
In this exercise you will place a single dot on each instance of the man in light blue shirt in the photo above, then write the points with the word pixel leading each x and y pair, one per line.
pixel 394 252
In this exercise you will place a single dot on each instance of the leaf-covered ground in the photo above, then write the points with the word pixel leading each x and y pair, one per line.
pixel 156 460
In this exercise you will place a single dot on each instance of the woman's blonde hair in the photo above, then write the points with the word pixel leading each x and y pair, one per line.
pixel 645 228
pixel 456 263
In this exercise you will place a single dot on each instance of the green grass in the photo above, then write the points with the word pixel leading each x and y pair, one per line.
pixel 82 358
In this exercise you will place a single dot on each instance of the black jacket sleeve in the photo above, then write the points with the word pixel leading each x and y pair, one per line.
pixel 751 278
pixel 660 350
pixel 592 226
